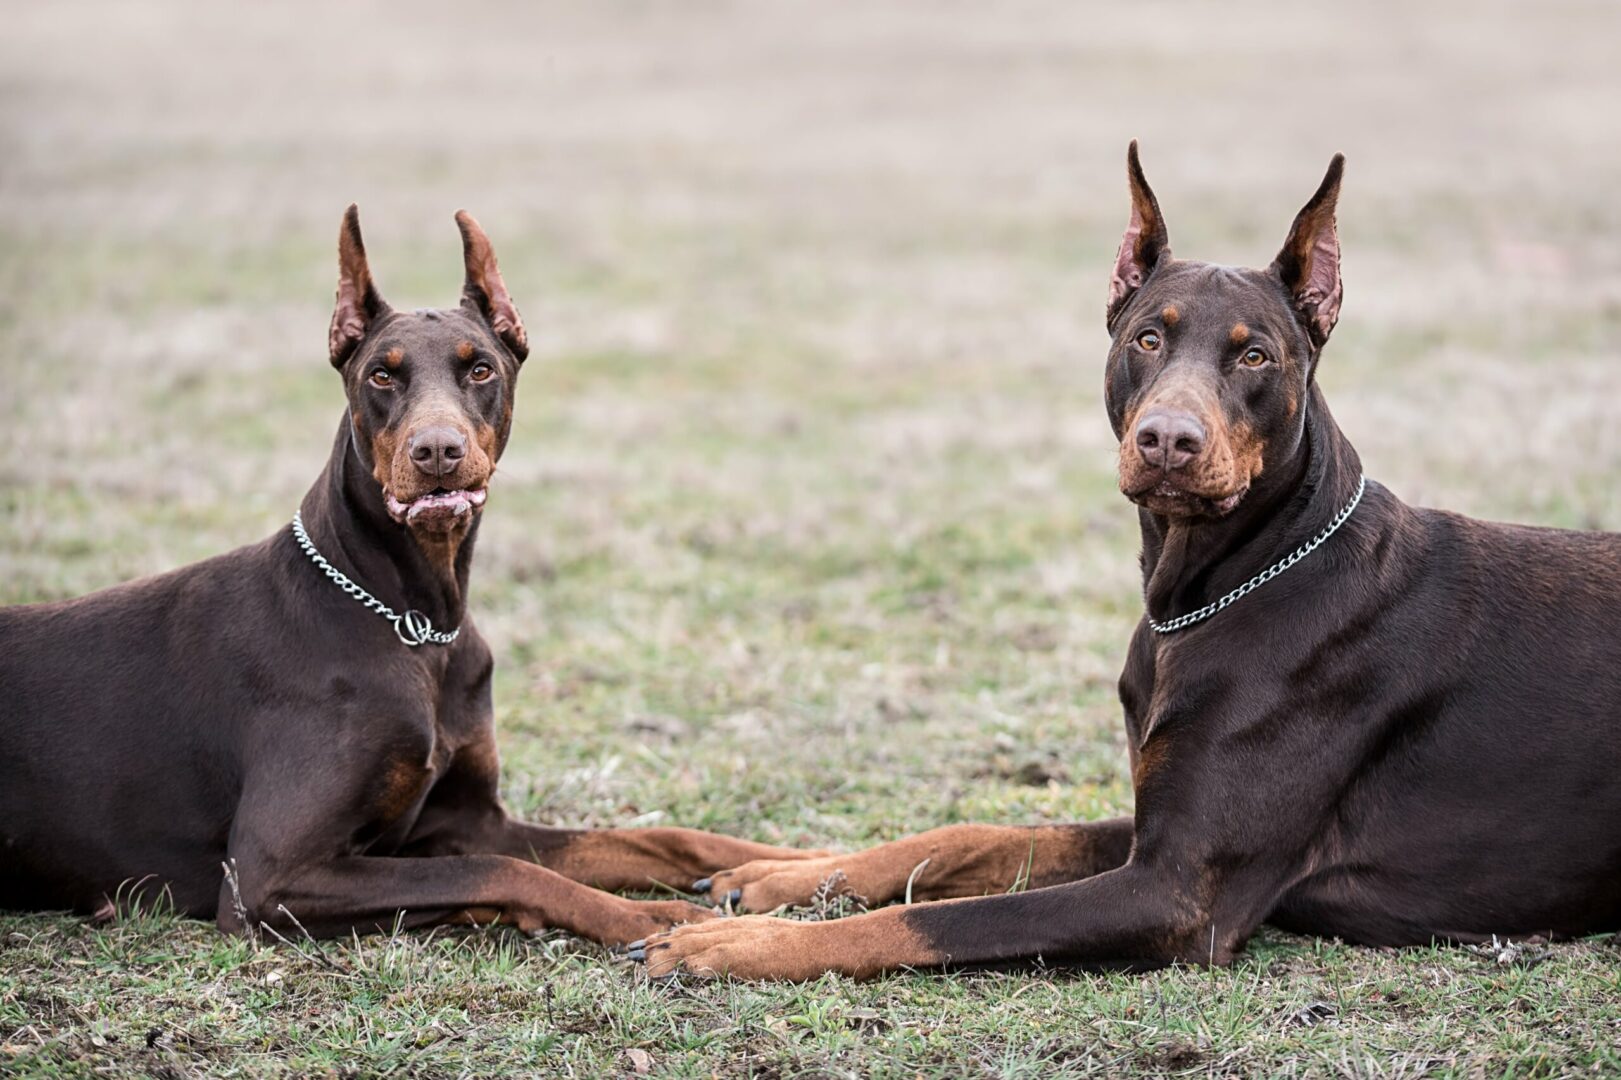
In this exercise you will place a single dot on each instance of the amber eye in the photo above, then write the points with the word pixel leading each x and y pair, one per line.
pixel 480 372
pixel 381 378
pixel 1252 358
pixel 1148 340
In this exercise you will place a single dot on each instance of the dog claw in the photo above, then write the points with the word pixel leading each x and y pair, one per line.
pixel 634 945
pixel 733 897
pixel 636 956
pixel 702 885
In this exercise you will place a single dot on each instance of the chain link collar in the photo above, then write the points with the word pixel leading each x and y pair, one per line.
pixel 413 627
pixel 1265 575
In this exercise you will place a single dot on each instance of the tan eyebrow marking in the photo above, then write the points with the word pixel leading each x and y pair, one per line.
pixel 1170 315
pixel 1240 334
pixel 464 351
pixel 394 357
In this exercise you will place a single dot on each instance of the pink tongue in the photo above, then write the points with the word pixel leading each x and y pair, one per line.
pixel 455 504
pixel 445 504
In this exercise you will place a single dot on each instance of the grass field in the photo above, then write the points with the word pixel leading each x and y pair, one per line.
pixel 808 528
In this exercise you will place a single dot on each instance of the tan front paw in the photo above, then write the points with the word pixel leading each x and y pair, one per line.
pixel 753 947
pixel 768 884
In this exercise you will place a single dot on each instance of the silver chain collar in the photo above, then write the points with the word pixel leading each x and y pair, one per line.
pixel 413 627
pixel 1266 575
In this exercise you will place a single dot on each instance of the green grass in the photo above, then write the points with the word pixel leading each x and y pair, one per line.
pixel 173 998
pixel 808 529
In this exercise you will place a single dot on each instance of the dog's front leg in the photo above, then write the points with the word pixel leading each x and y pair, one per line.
pixel 1132 917
pixel 620 859
pixel 367 894
pixel 463 815
pixel 944 863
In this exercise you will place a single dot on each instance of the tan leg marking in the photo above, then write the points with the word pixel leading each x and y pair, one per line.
pixel 953 861
pixel 366 894
pixel 760 947
pixel 642 858
pixel 598 916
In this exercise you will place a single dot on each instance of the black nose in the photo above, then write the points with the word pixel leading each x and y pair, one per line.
pixel 1169 440
pixel 438 450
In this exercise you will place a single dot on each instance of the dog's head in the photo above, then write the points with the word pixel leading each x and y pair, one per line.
pixel 1210 366
pixel 430 392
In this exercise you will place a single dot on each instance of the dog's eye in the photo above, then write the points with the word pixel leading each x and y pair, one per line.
pixel 381 378
pixel 1252 358
pixel 480 371
pixel 1148 340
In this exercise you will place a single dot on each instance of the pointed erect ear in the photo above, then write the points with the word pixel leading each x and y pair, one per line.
pixel 1309 263
pixel 358 305
pixel 1145 241
pixel 485 291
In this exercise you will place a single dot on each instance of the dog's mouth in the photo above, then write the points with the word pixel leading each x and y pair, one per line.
pixel 1171 500
pixel 438 509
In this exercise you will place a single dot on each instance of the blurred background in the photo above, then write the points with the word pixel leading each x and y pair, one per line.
pixel 810 452
pixel 808 529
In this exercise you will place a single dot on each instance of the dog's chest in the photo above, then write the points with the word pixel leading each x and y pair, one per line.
pixel 446 751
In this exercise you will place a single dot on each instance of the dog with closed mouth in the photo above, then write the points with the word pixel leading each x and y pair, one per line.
pixel 1346 716
pixel 301 733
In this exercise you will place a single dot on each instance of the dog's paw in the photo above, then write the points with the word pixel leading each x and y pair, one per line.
pixel 726 852
pixel 767 884
pixel 755 947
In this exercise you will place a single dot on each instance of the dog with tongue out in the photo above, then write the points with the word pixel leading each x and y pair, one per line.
pixel 301 732
pixel 430 391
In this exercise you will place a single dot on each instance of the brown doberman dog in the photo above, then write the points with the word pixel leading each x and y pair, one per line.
pixel 315 710
pixel 1346 716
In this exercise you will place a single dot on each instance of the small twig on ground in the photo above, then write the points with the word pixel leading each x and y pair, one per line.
pixel 315 953
pixel 833 899
pixel 240 908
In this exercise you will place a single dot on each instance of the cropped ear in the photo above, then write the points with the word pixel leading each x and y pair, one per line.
pixel 358 304
pixel 1309 263
pixel 485 292
pixel 1145 241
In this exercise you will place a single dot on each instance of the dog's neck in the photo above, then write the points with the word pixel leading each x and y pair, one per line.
pixel 350 525
pixel 1188 565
